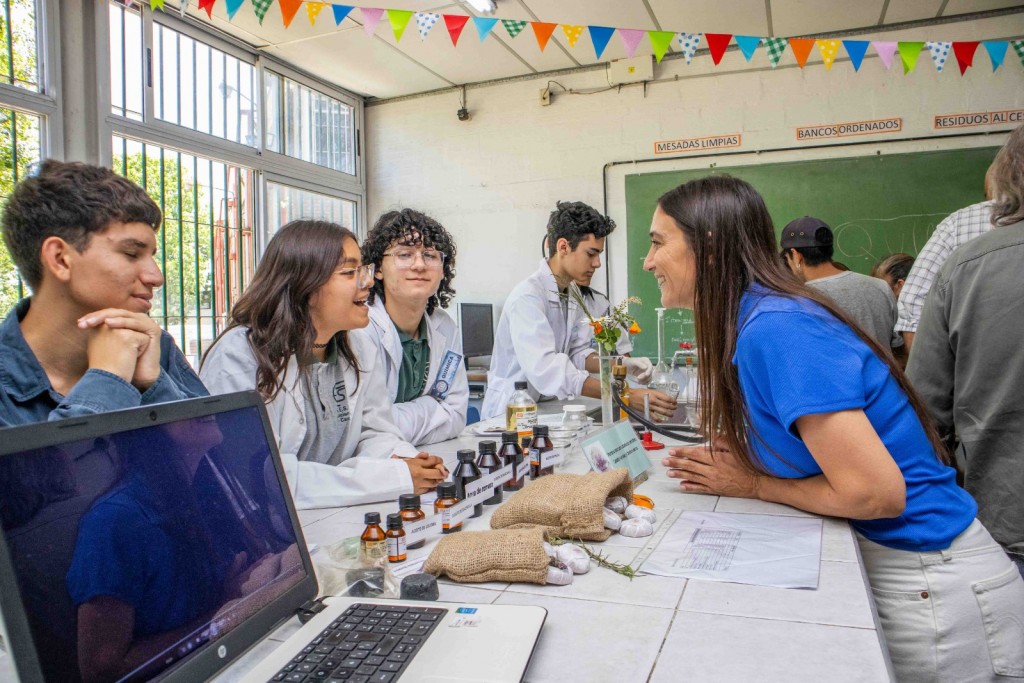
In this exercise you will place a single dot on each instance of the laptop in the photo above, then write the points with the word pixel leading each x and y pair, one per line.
pixel 161 543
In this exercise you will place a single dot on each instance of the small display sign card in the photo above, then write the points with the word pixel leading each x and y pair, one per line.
pixel 617 446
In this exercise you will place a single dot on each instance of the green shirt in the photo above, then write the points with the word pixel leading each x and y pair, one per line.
pixel 412 375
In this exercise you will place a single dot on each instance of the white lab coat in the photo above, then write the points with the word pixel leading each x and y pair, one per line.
pixel 424 419
pixel 367 473
pixel 537 344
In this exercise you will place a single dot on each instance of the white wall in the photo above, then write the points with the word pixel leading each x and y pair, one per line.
pixel 492 181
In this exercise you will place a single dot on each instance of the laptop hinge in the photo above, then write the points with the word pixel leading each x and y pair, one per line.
pixel 310 610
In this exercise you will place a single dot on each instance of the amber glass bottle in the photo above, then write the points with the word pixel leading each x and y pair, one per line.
pixel 409 509
pixel 373 543
pixel 446 498
pixel 395 538
pixel 541 444
pixel 511 453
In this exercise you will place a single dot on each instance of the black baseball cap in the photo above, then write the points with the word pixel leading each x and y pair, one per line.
pixel 806 232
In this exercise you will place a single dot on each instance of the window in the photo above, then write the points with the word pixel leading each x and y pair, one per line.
pixel 199 87
pixel 205 249
pixel 285 203
pixel 20 146
pixel 306 124
pixel 126 61
pixel 19 65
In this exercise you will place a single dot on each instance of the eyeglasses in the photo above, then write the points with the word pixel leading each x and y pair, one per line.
pixel 363 275
pixel 405 258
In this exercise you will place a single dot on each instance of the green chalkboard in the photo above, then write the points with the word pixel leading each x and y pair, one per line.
pixel 876 205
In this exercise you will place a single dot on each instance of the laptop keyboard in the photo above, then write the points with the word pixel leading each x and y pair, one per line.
pixel 366 644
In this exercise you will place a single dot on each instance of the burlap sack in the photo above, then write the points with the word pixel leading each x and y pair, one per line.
pixel 565 505
pixel 514 555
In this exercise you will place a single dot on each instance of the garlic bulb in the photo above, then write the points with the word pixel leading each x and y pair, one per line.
pixel 559 574
pixel 635 528
pixel 550 550
pixel 611 520
pixel 638 512
pixel 574 557
pixel 616 504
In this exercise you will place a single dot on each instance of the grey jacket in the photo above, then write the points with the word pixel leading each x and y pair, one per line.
pixel 967 361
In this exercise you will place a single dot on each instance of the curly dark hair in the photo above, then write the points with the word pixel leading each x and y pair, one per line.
pixel 574 221
pixel 72 201
pixel 411 228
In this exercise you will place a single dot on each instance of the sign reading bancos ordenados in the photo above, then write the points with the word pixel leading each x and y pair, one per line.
pixel 842 130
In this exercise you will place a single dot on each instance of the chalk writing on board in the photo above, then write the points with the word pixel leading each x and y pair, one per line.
pixel 861 238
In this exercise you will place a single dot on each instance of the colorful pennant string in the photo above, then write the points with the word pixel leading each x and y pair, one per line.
pixel 688 43
pixel 748 45
pixel 600 36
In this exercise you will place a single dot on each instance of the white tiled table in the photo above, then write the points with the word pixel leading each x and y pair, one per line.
pixel 605 627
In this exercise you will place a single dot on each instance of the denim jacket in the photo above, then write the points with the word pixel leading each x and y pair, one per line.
pixel 27 395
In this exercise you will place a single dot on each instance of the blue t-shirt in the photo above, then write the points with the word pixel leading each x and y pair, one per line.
pixel 127 550
pixel 795 358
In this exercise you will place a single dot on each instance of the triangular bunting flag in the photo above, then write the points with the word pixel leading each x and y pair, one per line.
pixel 940 51
pixel 599 36
pixel 208 6
pixel 399 19
pixel 748 45
pixel 964 52
pixel 455 23
pixel 513 27
pixel 688 43
pixel 1018 47
pixel 885 50
pixel 232 6
pixel 630 39
pixel 910 50
pixel 660 41
pixel 425 21
pixel 775 47
pixel 801 49
pixel 542 32
pixel 288 10
pixel 996 50
pixel 371 17
pixel 484 26
pixel 340 12
pixel 717 42
pixel 856 49
pixel 260 7
pixel 313 9
pixel 572 33
pixel 828 49
pixel 156 5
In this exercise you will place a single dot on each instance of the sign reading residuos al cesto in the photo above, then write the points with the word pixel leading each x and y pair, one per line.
pixel 979 118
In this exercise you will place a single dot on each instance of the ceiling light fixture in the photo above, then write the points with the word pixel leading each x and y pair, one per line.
pixel 483 6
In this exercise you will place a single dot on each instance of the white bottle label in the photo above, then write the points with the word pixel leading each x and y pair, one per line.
pixel 396 546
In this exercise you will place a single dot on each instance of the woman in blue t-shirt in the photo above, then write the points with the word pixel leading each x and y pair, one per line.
pixel 808 410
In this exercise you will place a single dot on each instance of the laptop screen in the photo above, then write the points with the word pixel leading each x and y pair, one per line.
pixel 137 549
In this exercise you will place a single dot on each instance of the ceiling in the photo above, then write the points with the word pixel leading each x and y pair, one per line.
pixel 380 67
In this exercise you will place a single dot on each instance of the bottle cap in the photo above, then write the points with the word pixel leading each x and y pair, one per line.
pixel 394 521
pixel 527 441
pixel 409 501
pixel 488 447
pixel 371 518
pixel 446 489
pixel 521 385
pixel 466 455
pixel 540 430
pixel 512 437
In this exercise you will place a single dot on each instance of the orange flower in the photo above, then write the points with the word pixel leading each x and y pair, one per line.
pixel 634 328
pixel 597 327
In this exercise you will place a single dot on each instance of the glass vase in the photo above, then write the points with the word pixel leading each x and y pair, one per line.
pixel 608 410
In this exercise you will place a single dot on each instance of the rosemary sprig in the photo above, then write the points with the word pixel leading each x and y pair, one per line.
pixel 599 557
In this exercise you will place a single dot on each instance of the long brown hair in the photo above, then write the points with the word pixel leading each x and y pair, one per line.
pixel 727 226
pixel 298 261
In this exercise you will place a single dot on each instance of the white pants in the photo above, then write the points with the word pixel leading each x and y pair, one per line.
pixel 950 615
